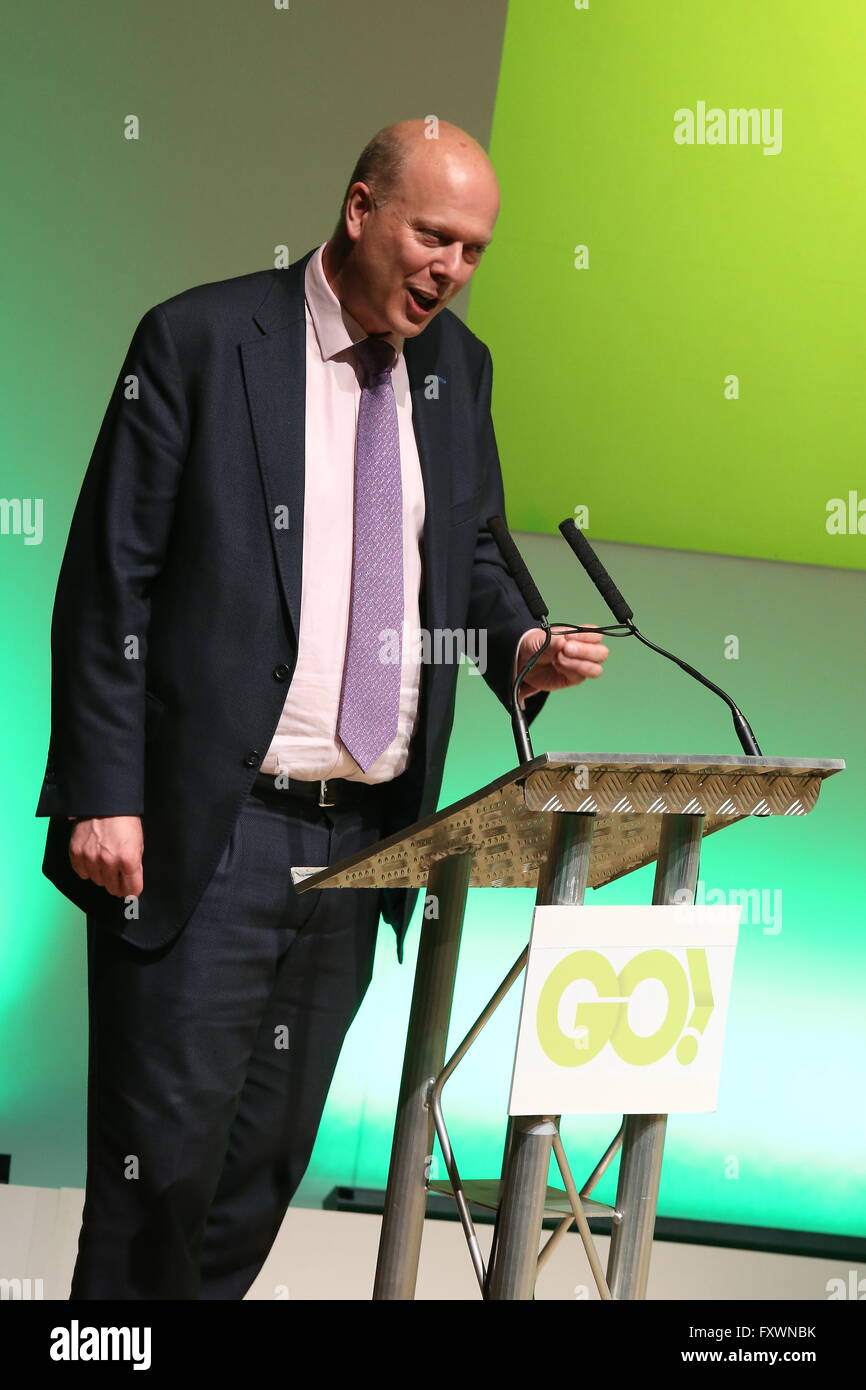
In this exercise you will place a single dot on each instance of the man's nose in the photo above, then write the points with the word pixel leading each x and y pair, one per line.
pixel 449 262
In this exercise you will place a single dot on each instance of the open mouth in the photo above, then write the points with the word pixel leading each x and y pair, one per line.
pixel 422 302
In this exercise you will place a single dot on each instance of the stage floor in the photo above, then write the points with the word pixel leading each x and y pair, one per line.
pixel 332 1255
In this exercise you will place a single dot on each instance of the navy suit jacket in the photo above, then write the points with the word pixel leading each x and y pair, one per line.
pixel 175 625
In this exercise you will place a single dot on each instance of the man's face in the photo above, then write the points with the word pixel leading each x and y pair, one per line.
pixel 429 238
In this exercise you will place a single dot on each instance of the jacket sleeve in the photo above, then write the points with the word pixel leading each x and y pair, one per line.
pixel 117 540
pixel 495 603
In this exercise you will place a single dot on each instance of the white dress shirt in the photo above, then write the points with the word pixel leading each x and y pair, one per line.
pixel 306 744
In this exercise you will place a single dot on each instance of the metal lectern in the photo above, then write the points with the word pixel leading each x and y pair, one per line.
pixel 561 822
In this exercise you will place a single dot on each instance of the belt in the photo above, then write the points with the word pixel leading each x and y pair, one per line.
pixel 334 791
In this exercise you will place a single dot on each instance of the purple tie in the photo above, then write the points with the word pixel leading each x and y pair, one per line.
pixel 370 698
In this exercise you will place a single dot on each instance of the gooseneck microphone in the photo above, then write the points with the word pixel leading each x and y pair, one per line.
pixel 539 610
pixel 624 614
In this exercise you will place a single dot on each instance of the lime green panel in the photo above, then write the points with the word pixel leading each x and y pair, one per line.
pixel 704 261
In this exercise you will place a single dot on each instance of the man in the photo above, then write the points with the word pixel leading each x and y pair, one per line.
pixel 292 463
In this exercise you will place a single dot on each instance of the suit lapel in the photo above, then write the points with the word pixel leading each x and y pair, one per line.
pixel 274 370
pixel 431 419
pixel 275 375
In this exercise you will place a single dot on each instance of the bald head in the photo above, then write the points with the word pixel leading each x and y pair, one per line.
pixel 417 215
pixel 420 145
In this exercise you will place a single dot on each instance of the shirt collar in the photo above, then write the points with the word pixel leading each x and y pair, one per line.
pixel 335 328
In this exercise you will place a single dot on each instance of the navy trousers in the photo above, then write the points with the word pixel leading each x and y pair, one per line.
pixel 211 1059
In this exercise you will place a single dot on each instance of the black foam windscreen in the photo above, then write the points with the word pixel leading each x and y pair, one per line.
pixel 517 567
pixel 596 571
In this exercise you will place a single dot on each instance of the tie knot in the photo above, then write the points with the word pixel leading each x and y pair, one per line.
pixel 376 356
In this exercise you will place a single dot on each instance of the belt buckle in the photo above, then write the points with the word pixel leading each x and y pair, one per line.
pixel 323 787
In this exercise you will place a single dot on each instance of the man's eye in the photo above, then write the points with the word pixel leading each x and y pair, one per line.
pixel 429 235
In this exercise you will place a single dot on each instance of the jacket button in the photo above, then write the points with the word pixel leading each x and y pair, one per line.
pixel 281 673
pixel 253 758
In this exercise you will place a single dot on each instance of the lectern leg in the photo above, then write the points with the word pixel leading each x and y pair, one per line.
pixel 527 1159
pixel 424 1058
pixel 644 1135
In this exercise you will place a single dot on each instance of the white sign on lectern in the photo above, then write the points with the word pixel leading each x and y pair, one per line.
pixel 624 1010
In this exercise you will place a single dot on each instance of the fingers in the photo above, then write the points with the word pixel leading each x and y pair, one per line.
pixel 108 853
pixel 119 876
pixel 581 654
pixel 568 659
pixel 588 662
pixel 587 647
pixel 531 642
pixel 133 885
pixel 534 639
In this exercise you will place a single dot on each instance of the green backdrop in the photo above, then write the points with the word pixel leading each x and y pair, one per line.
pixel 704 260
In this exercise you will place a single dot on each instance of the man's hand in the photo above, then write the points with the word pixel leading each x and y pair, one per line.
pixel 568 660
pixel 108 850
